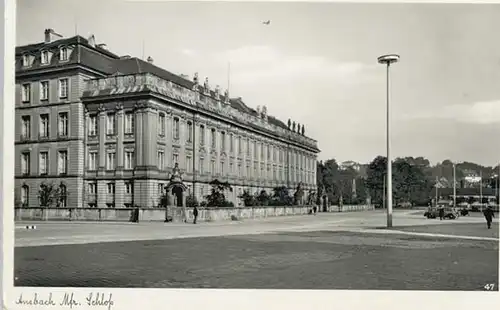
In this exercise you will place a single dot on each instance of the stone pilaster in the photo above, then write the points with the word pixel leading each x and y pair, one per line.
pixel 120 119
pixel 139 143
pixel 102 140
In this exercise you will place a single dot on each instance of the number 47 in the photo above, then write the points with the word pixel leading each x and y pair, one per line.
pixel 489 287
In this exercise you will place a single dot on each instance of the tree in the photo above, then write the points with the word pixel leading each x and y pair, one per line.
pixel 48 194
pixel 217 197
pixel 249 200
pixel 376 172
pixel 281 196
pixel 263 198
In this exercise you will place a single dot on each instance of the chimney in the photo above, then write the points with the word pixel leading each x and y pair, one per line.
pixel 49 32
pixel 150 59
pixel 47 35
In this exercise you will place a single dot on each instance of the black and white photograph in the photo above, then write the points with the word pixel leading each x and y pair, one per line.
pixel 254 145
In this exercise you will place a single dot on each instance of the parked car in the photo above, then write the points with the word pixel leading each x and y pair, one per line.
pixel 449 213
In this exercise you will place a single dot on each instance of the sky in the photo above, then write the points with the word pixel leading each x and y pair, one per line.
pixel 316 63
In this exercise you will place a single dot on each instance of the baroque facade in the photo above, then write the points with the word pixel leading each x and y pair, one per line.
pixel 108 130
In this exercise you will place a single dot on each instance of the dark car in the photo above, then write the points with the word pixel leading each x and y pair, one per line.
pixel 449 213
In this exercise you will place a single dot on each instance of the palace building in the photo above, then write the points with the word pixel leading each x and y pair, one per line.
pixel 106 131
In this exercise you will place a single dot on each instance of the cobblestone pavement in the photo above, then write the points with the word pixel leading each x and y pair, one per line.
pixel 54 233
pixel 321 259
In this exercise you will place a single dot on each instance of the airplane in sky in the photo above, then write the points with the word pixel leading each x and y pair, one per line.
pixel 268 22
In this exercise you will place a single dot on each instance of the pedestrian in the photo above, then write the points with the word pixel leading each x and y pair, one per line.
pixel 489 215
pixel 195 214
pixel 315 209
pixel 441 213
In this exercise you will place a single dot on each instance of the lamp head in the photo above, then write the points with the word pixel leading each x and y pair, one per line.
pixel 388 59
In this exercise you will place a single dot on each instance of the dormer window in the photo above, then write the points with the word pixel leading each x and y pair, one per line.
pixel 26 60
pixel 63 53
pixel 45 57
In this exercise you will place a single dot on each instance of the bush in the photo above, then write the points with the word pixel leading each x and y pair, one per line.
pixel 191 201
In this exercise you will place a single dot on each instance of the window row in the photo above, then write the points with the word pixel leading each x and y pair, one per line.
pixel 63 85
pixel 44 126
pixel 45 57
pixel 110 164
pixel 44 161
pixel 110 188
pixel 111 127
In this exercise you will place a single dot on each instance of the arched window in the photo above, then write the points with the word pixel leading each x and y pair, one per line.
pixel 25 191
pixel 62 196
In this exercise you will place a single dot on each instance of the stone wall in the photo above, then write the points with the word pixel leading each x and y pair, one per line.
pixel 159 215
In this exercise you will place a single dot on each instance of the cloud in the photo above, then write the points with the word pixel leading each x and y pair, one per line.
pixel 483 112
pixel 188 52
pixel 252 64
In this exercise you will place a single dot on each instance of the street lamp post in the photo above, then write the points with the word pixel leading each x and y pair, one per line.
pixel 388 60
pixel 454 186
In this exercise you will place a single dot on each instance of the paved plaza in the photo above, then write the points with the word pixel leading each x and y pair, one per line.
pixel 326 251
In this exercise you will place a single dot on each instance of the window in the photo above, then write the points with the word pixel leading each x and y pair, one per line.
pixel 212 167
pixel 255 149
pixel 262 151
pixel 212 139
pixel 26 127
pixel 44 90
pixel 62 162
pixel 231 143
pixel 161 189
pixel 202 134
pixel 268 152
pixel 129 123
pixel 111 161
pixel 25 192
pixel 161 124
pixel 111 188
pixel 247 171
pixel 44 126
pixel 129 187
pixel 62 196
pixel 202 168
pixel 239 170
pixel 161 160
pixel 93 125
pixel 26 92
pixel 176 128
pixel 45 57
pixel 189 131
pixel 93 188
pixel 175 158
pixel 222 141
pixel 189 164
pixel 63 54
pixel 44 161
pixel 239 145
pixel 26 60
pixel 129 160
pixel 63 124
pixel 63 88
pixel 25 163
pixel 231 168
pixel 110 124
pixel 92 160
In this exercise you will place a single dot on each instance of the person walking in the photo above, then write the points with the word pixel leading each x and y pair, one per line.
pixel 195 214
pixel 441 213
pixel 488 215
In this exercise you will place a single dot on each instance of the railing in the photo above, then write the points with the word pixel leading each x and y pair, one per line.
pixel 191 97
